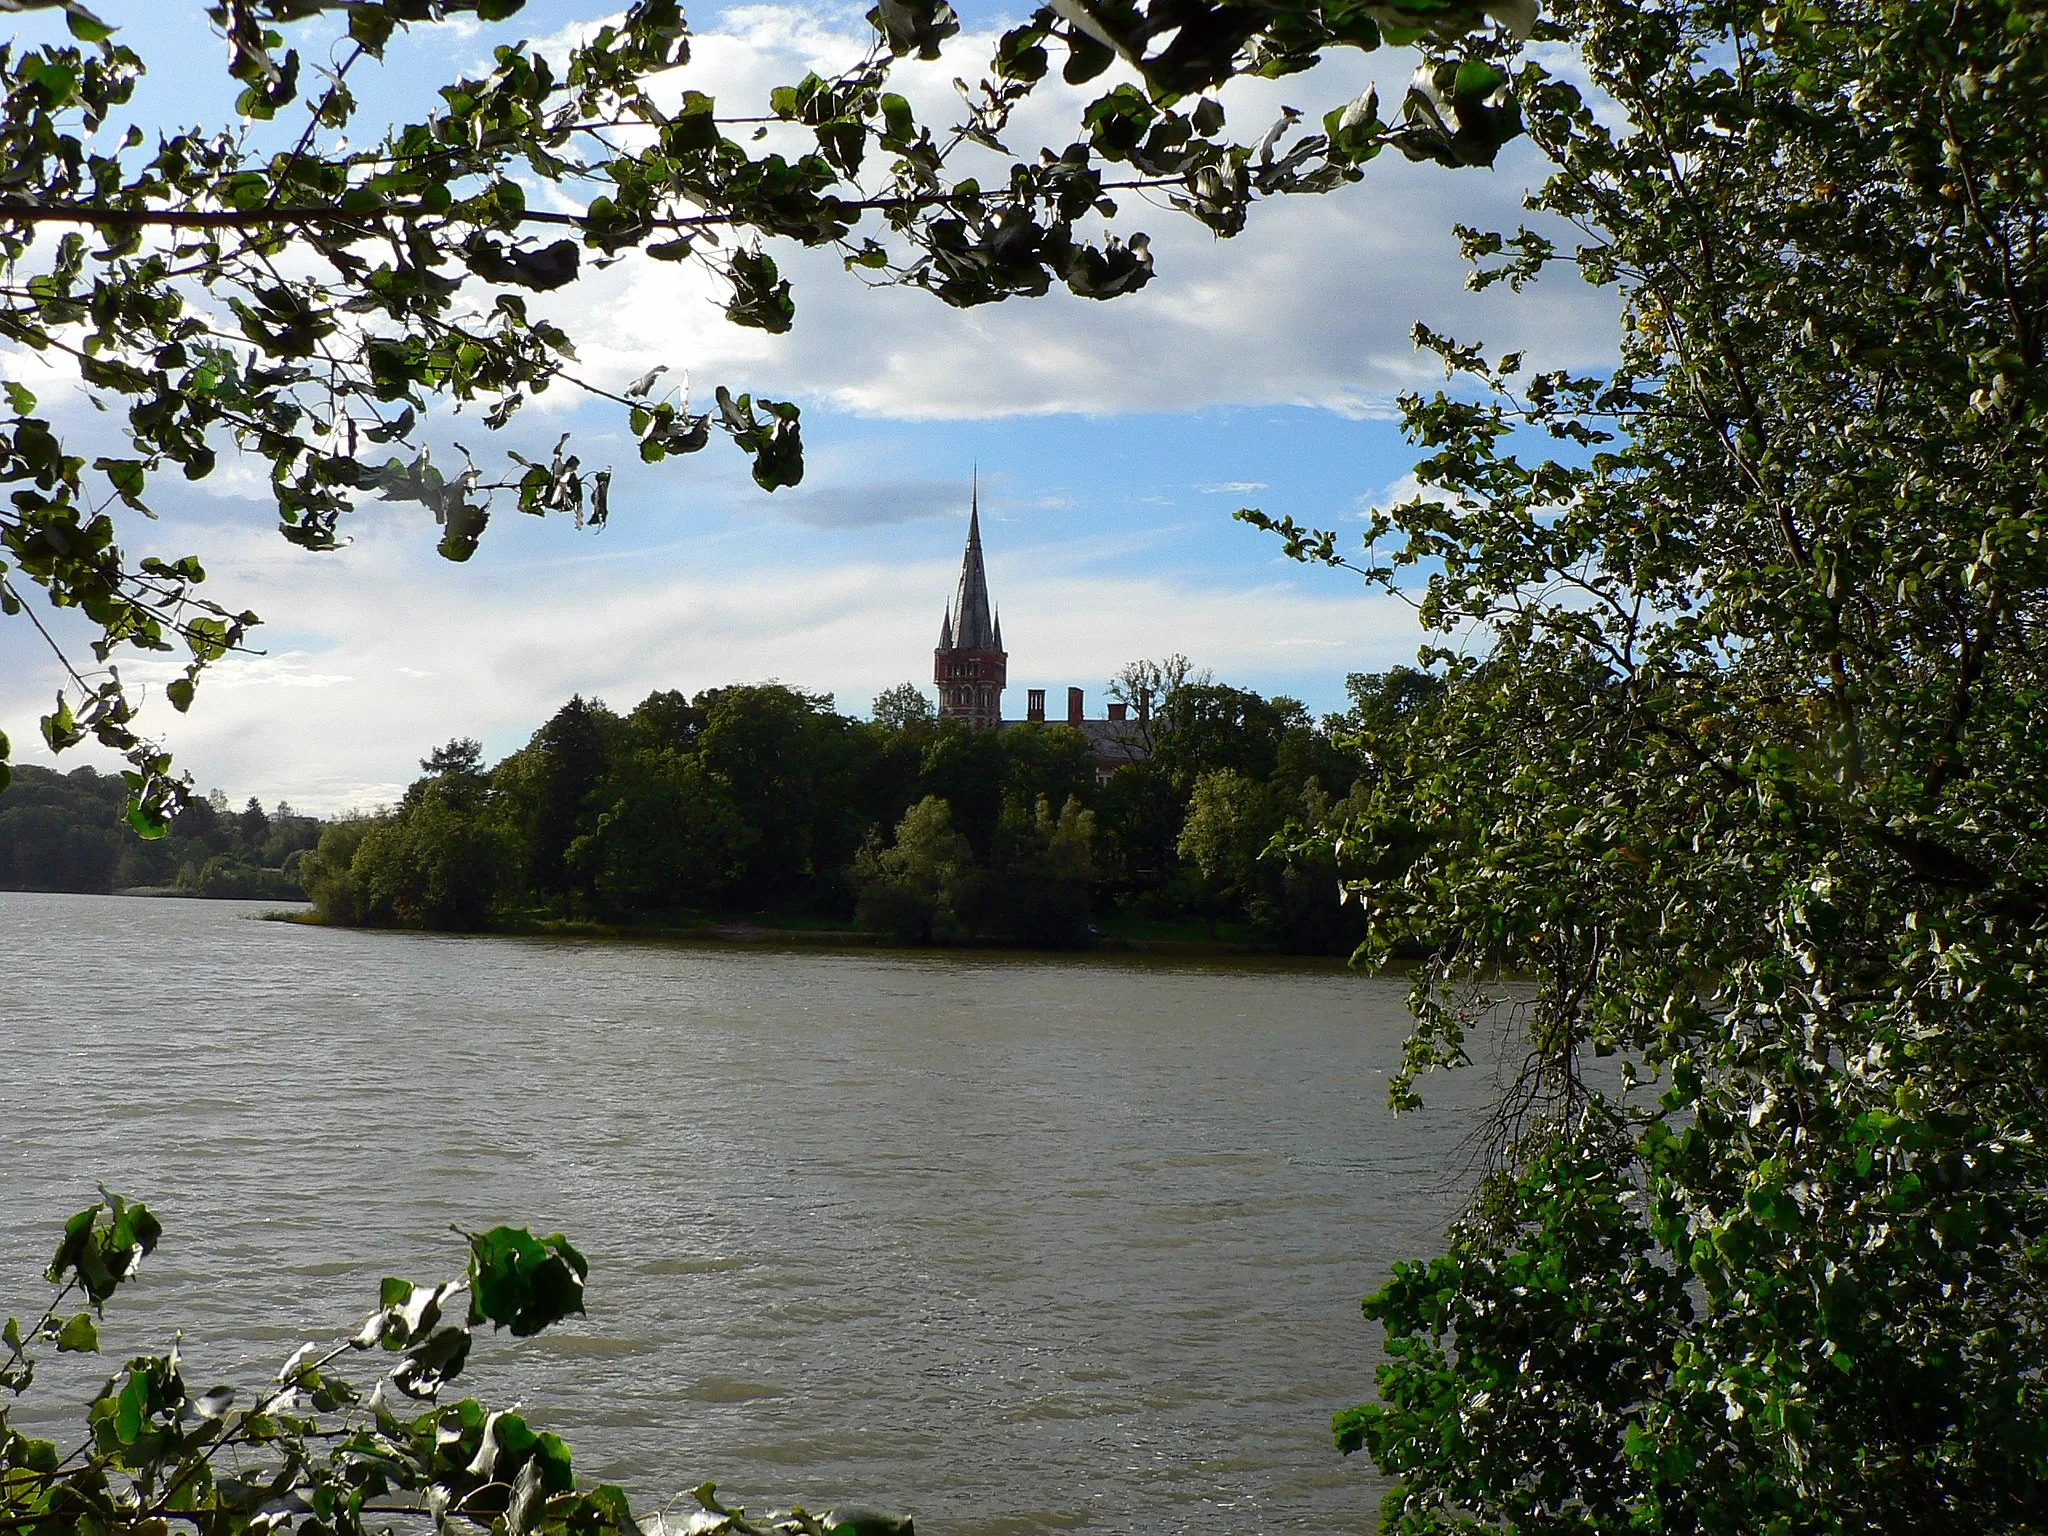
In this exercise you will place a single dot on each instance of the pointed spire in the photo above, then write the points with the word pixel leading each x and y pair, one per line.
pixel 999 629
pixel 974 626
pixel 946 630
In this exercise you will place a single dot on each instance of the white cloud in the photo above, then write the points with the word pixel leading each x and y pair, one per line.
pixel 825 501
pixel 1402 489
pixel 393 652
pixel 1313 304
pixel 379 652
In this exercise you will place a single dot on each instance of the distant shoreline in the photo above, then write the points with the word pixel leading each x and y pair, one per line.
pixel 737 931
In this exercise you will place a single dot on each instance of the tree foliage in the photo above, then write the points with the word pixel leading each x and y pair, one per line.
pixel 1748 784
pixel 763 799
pixel 902 706
pixel 917 886
pixel 927 886
pixel 315 1450
pixel 69 832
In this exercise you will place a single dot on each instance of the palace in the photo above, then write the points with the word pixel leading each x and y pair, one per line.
pixel 971 669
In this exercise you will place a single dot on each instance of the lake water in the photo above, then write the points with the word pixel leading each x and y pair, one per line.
pixel 1012 1244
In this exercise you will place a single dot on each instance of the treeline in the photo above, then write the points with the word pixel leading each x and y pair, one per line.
pixel 69 832
pixel 763 799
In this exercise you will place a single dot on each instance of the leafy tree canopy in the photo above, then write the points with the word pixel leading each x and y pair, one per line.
pixel 462 756
pixel 1746 781
pixel 903 706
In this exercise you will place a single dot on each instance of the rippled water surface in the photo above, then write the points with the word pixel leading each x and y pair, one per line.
pixel 1013 1244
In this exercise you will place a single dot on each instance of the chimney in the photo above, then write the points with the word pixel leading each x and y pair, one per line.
pixel 1034 705
pixel 1073 706
pixel 1119 712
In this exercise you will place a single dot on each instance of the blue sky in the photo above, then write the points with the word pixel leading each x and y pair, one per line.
pixel 1113 443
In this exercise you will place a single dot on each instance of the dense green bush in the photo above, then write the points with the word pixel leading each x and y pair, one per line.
pixel 917 886
pixel 435 863
pixel 1745 779
pixel 326 873
pixel 313 1450
pixel 226 876
pixel 927 887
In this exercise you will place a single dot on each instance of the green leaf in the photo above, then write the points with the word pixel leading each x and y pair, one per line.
pixel 899 125
pixel 1475 79
pixel 60 727
pixel 146 817
pixel 85 26
pixel 1020 55
pixel 79 1336
pixel 542 268
pixel 693 127
pixel 36 1455
pixel 612 1500
pixel 103 1244
pixel 464 522
pixel 1086 58
pixel 552 1454
pixel 523 1283
pixel 760 296
pixel 131 1405
pixel 433 1362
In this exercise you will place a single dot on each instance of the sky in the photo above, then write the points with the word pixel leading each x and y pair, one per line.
pixel 1112 442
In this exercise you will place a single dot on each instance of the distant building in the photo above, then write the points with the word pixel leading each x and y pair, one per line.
pixel 1120 739
pixel 970 664
pixel 971 669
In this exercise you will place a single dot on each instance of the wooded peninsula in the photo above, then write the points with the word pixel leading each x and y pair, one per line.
pixel 762 802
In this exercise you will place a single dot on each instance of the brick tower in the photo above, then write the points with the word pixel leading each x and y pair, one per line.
pixel 970 663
